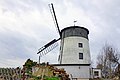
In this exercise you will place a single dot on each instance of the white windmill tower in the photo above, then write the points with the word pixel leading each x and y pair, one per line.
pixel 74 54
pixel 74 48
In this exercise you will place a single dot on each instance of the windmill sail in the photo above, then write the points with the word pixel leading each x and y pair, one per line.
pixel 48 47
pixel 52 44
pixel 54 18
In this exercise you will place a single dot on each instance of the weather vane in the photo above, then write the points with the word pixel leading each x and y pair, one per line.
pixel 74 22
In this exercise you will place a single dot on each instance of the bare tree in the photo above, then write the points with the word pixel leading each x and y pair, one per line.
pixel 107 60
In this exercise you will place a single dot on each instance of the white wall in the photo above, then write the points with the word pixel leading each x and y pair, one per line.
pixel 80 72
pixel 70 53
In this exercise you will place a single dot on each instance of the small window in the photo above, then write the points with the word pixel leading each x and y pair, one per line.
pixel 80 55
pixel 80 45
pixel 96 73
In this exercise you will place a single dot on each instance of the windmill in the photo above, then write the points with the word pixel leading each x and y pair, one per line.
pixel 52 44
pixel 74 54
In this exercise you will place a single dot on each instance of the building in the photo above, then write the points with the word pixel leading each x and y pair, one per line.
pixel 96 73
pixel 74 52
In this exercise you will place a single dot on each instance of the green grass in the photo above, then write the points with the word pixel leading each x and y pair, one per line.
pixel 52 78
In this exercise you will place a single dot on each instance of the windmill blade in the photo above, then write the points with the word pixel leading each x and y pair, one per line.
pixel 48 47
pixel 54 18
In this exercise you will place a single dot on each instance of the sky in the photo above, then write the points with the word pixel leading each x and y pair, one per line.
pixel 27 25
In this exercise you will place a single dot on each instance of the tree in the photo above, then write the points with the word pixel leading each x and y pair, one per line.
pixel 107 60
pixel 29 64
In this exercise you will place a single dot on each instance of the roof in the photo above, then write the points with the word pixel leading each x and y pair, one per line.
pixel 75 27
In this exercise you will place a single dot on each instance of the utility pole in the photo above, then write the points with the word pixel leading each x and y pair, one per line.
pixel 39 59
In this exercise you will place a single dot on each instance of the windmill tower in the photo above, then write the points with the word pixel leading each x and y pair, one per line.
pixel 74 48
pixel 74 54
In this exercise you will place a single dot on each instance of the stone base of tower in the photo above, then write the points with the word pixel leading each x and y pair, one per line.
pixel 76 71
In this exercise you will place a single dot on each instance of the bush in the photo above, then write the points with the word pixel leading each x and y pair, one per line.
pixel 52 78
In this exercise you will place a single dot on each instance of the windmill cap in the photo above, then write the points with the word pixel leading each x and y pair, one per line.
pixel 75 31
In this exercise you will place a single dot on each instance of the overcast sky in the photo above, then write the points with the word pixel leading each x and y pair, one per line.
pixel 27 25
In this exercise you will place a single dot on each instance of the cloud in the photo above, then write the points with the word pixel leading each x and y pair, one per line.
pixel 27 25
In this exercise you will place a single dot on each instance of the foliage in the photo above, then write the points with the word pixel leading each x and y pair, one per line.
pixel 28 65
pixel 36 78
pixel 45 78
pixel 107 60
pixel 52 78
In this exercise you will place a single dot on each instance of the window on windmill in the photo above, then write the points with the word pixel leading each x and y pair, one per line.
pixel 80 55
pixel 80 45
pixel 96 73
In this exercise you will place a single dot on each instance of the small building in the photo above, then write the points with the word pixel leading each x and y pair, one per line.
pixel 96 73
